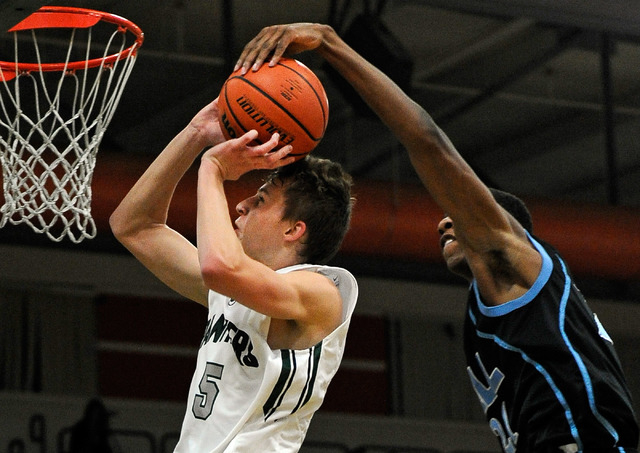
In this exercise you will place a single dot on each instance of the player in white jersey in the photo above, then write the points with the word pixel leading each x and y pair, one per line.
pixel 243 393
pixel 277 325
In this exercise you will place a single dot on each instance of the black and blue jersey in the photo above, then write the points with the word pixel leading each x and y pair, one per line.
pixel 545 370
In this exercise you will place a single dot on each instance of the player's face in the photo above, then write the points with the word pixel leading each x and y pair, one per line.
pixel 452 251
pixel 260 226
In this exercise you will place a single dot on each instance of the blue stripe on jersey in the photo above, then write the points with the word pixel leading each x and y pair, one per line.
pixel 543 277
pixel 472 316
pixel 559 395
pixel 579 362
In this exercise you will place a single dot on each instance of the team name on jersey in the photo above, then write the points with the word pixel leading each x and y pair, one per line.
pixel 221 329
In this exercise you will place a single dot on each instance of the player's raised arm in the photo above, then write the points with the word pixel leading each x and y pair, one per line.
pixel 140 220
pixel 482 226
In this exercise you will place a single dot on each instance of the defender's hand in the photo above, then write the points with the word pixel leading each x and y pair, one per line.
pixel 277 40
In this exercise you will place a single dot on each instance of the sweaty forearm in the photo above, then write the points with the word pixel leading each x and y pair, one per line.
pixel 445 174
pixel 397 110
pixel 218 246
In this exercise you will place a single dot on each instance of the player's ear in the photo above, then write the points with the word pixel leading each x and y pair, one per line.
pixel 295 230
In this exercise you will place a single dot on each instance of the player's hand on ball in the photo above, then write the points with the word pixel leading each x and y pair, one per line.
pixel 240 155
pixel 207 123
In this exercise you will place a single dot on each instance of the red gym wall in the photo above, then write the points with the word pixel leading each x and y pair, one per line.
pixel 399 220
pixel 147 350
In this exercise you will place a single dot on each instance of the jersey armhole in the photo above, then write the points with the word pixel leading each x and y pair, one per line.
pixel 508 307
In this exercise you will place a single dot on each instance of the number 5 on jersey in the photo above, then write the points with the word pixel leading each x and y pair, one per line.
pixel 203 402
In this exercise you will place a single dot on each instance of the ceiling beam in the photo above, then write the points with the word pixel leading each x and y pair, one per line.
pixel 566 39
pixel 613 16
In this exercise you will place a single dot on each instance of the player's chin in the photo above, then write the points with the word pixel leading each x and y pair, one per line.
pixel 457 264
pixel 451 255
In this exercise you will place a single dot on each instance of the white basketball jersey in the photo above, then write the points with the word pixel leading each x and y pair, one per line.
pixel 246 397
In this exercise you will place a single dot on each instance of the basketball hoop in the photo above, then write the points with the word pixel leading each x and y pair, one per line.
pixel 54 113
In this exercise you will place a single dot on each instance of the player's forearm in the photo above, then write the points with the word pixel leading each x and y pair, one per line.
pixel 397 110
pixel 441 168
pixel 219 249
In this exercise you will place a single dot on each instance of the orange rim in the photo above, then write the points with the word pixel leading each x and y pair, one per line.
pixel 70 17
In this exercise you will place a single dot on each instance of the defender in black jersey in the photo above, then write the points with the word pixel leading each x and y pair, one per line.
pixel 542 365
pixel 545 370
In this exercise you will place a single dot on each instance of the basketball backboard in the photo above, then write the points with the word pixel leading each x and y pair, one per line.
pixel 13 11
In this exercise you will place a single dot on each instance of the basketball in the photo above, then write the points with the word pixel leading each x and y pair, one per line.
pixel 287 98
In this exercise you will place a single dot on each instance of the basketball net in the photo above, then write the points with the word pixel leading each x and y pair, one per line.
pixel 53 116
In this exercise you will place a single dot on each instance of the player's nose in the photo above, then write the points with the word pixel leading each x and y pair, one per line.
pixel 242 207
pixel 444 225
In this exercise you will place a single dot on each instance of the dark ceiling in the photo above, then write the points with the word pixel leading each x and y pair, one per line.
pixel 518 85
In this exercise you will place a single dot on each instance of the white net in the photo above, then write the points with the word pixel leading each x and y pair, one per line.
pixel 51 125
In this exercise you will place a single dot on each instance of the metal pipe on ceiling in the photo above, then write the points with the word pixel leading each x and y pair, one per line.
pixel 566 38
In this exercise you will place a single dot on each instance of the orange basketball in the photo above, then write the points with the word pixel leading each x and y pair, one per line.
pixel 287 98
